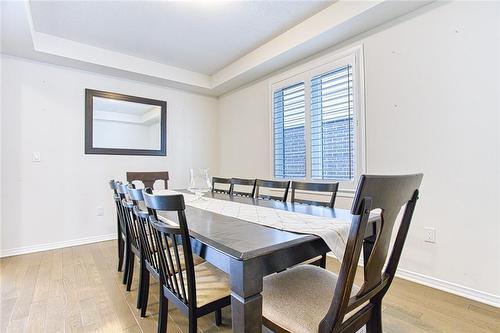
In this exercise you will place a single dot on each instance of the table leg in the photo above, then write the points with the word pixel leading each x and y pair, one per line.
pixel 246 299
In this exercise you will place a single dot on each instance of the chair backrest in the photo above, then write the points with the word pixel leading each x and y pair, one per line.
pixel 225 181
pixel 117 197
pixel 148 178
pixel 315 187
pixel 243 182
pixel 274 184
pixel 179 283
pixel 389 194
pixel 112 184
pixel 146 233
pixel 128 215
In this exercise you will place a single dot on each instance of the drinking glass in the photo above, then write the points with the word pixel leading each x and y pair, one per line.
pixel 199 182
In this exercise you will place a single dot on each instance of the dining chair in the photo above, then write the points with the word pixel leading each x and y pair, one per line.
pixel 125 234
pixel 120 231
pixel 224 181
pixel 149 261
pixel 196 290
pixel 148 178
pixel 330 188
pixel 311 188
pixel 272 184
pixel 308 298
pixel 132 241
pixel 243 182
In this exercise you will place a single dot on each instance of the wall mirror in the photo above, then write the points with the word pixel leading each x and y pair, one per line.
pixel 117 124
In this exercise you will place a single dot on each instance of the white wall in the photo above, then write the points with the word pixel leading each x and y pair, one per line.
pixel 43 109
pixel 431 86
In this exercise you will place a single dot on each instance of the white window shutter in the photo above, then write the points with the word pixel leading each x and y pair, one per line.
pixel 332 125
pixel 289 133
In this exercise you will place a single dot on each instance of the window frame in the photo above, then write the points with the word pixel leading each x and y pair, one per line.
pixel 304 73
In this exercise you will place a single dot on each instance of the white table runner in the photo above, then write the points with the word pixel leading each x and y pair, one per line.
pixel 333 231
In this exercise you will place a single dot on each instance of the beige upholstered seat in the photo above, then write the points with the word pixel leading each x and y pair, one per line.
pixel 212 284
pixel 196 260
pixel 299 298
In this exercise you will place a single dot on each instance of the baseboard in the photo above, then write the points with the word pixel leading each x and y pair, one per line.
pixel 449 287
pixel 57 245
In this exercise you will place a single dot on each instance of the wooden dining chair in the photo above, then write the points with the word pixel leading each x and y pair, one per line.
pixel 120 231
pixel 149 260
pixel 311 188
pixel 148 178
pixel 311 299
pixel 330 188
pixel 132 242
pixel 195 290
pixel 123 232
pixel 223 181
pixel 243 182
pixel 133 248
pixel 272 184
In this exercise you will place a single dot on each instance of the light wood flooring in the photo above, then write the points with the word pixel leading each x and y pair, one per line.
pixel 77 289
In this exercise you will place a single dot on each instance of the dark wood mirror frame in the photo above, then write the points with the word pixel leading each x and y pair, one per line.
pixel 89 110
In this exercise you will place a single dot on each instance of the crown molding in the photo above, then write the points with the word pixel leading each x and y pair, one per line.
pixel 335 24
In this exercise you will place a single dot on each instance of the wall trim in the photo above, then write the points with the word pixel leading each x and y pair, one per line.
pixel 450 287
pixel 56 245
pixel 446 286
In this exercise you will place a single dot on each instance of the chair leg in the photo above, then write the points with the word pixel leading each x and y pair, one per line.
pixel 374 325
pixel 120 255
pixel 126 261
pixel 163 313
pixel 218 317
pixel 193 323
pixel 120 249
pixel 322 262
pixel 144 292
pixel 141 282
pixel 130 274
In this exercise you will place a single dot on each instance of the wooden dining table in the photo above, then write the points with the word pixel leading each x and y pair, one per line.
pixel 248 251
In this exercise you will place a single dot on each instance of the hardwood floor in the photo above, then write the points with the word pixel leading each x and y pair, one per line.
pixel 77 289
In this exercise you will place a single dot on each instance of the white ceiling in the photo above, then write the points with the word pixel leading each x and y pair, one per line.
pixel 199 36
pixel 208 47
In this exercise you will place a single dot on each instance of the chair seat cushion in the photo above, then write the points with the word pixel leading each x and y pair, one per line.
pixel 196 260
pixel 299 298
pixel 212 284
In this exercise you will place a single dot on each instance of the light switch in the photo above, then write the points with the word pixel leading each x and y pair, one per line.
pixel 36 156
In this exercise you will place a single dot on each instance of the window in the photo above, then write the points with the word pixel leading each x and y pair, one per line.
pixel 289 134
pixel 332 125
pixel 316 123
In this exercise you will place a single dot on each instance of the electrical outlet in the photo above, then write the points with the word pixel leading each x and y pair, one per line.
pixel 36 157
pixel 99 211
pixel 430 235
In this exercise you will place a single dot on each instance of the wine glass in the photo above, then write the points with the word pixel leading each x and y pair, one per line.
pixel 199 182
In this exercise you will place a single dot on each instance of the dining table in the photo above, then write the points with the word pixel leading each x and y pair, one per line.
pixel 248 251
